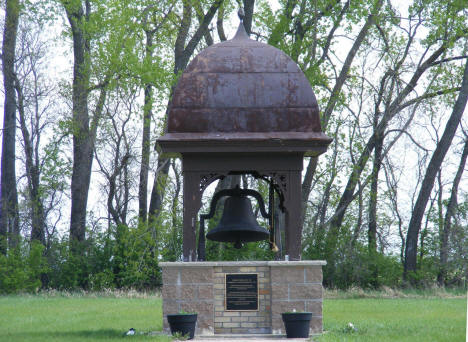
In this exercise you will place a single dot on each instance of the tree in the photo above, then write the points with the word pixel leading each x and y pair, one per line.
pixel 9 218
pixel 150 30
pixel 35 102
pixel 98 41
pixel 182 54
pixel 450 213
pixel 78 14
pixel 429 178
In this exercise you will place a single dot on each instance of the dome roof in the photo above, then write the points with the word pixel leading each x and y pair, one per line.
pixel 241 90
pixel 242 85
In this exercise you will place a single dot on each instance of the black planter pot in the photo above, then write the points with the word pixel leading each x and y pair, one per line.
pixel 183 324
pixel 297 324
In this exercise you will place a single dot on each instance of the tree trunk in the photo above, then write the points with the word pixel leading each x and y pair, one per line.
pixel 372 227
pixel 82 136
pixel 372 232
pixel 9 225
pixel 248 10
pixel 145 144
pixel 428 181
pixel 451 207
pixel 32 174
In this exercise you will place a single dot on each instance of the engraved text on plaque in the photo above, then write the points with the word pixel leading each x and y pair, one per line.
pixel 242 292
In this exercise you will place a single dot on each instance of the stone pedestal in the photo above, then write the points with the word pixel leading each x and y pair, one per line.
pixel 283 286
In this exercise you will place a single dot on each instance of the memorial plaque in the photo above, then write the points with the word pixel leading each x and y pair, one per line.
pixel 242 292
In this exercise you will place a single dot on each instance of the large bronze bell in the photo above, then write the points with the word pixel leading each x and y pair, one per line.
pixel 238 223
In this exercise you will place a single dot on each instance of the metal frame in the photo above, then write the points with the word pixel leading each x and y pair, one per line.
pixel 284 170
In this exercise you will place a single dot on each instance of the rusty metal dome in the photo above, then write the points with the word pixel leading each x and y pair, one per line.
pixel 241 91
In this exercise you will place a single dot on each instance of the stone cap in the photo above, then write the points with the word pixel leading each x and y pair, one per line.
pixel 243 263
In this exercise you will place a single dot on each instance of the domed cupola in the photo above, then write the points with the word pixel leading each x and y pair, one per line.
pixel 241 94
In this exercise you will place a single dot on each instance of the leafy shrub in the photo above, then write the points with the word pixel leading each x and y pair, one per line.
pixel 22 268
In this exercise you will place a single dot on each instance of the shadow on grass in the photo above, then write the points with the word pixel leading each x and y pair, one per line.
pixel 101 334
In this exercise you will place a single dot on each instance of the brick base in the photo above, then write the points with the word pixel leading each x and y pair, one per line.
pixel 284 286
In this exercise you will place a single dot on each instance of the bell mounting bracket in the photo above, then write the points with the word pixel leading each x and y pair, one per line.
pixel 235 192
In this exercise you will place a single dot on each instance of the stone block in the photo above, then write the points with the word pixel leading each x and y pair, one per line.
pixel 205 322
pixel 223 319
pixel 239 319
pixel 277 325
pixel 179 292
pixel 196 275
pixel 187 292
pixel 248 325
pixel 259 330
pixel 231 325
pixel 232 314
pixel 280 291
pixel 277 307
pixel 305 291
pixel 264 292
pixel 231 269
pixel 248 313
pixel 205 292
pixel 315 307
pixel 169 291
pixel 257 319
pixel 170 307
pixel 218 280
pixel 218 324
pixel 281 274
pixel 201 307
pixel 170 275
pixel 316 325
pixel 247 269
pixel 222 331
pixel 314 274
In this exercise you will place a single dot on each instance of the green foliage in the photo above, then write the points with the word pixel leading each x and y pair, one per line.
pixel 126 258
pixel 354 266
pixel 21 269
pixel 226 252
pixel 135 258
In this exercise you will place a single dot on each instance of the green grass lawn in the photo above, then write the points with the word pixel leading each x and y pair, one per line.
pixel 94 318
pixel 78 318
pixel 435 319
